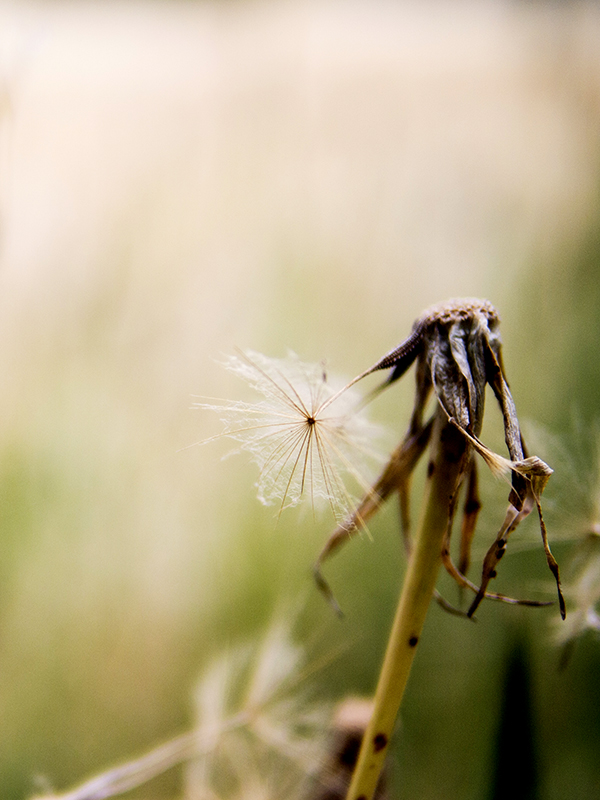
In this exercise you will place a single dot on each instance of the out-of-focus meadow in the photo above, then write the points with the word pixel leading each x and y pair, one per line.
pixel 178 179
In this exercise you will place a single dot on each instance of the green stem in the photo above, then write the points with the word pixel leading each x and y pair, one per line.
pixel 445 469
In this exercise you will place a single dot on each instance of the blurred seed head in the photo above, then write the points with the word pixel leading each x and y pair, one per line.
pixel 583 590
pixel 348 726
pixel 583 587
pixel 259 734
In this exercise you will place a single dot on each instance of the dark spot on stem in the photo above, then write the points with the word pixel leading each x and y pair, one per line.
pixel 472 506
pixel 362 797
pixel 412 642
pixel 379 742
pixel 430 469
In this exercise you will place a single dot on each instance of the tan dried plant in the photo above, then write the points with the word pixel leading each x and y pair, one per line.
pixel 456 349
pixel 309 436
pixel 303 448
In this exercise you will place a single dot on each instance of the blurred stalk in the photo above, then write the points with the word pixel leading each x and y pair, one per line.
pixel 516 774
pixel 444 472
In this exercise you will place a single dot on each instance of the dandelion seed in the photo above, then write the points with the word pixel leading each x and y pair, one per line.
pixel 307 435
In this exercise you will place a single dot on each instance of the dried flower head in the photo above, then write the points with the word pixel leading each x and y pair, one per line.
pixel 306 434
pixel 456 347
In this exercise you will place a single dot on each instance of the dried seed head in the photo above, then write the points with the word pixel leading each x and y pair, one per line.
pixel 456 347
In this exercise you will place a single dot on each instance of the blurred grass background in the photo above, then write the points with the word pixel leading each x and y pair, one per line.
pixel 179 178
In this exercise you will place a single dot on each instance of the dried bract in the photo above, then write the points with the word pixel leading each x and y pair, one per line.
pixel 456 349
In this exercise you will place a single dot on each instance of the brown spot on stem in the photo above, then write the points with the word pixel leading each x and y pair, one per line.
pixel 379 742
pixel 472 506
pixel 412 642
pixel 430 469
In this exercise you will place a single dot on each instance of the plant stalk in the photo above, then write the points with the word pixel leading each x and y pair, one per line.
pixel 446 465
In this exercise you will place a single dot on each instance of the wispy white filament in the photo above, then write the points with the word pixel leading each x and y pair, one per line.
pixel 307 434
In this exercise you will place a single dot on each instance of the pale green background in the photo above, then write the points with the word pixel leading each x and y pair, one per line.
pixel 178 179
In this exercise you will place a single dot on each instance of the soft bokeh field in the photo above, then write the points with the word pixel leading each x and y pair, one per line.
pixel 178 179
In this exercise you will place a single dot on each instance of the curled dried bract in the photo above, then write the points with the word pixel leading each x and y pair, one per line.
pixel 456 347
